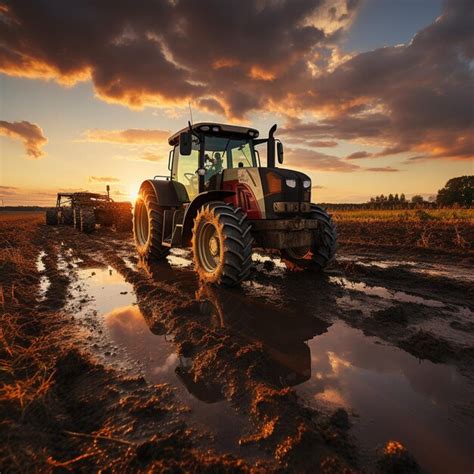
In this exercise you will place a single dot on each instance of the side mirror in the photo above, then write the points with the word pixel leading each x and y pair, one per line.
pixel 185 143
pixel 280 152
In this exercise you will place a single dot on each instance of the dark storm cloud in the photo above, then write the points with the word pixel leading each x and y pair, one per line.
pixel 417 97
pixel 230 56
pixel 29 133
pixel 236 56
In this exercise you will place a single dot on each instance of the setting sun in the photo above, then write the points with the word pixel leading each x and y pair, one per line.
pixel 133 192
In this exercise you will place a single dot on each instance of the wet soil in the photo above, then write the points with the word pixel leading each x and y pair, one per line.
pixel 368 367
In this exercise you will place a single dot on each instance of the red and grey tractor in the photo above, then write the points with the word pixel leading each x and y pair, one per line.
pixel 220 200
pixel 84 210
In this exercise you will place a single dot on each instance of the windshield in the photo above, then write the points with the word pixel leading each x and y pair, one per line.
pixel 223 153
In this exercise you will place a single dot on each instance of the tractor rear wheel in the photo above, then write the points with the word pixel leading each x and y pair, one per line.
pixel 87 217
pixel 148 226
pixel 51 217
pixel 321 253
pixel 222 244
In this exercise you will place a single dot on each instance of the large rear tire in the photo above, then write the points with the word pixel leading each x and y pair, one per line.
pixel 321 253
pixel 148 226
pixel 87 216
pixel 222 244
pixel 51 217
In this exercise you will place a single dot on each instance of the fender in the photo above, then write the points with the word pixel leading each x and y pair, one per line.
pixel 192 210
pixel 168 193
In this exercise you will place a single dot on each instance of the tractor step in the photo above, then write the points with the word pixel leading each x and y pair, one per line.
pixel 166 242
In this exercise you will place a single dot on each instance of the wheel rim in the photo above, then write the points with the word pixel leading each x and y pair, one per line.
pixel 209 247
pixel 142 228
pixel 298 253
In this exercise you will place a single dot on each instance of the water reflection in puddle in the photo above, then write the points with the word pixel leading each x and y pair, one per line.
pixel 385 293
pixel 152 353
pixel 44 282
pixel 393 394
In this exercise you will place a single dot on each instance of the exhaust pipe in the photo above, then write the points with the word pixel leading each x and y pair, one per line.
pixel 271 148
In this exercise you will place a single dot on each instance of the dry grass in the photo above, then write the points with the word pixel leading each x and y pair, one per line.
pixel 410 215
pixel 448 230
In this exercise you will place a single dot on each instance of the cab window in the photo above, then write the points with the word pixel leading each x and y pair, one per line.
pixel 223 153
pixel 185 167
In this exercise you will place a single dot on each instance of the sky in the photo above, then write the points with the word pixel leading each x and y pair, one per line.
pixel 370 96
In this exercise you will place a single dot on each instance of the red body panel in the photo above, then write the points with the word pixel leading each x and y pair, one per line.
pixel 243 197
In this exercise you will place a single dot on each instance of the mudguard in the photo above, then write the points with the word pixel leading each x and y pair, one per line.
pixel 194 206
pixel 168 193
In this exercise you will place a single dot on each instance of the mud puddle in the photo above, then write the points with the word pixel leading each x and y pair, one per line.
pixel 389 393
pixel 452 272
pixel 392 395
pixel 44 282
pixel 121 338
pixel 385 293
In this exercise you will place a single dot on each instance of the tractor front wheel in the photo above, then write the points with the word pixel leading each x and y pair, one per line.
pixel 222 244
pixel 319 255
pixel 148 225
pixel 87 217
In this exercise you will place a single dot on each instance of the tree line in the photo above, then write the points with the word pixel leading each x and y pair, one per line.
pixel 457 192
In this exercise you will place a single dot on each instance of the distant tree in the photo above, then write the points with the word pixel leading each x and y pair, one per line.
pixel 396 200
pixel 403 199
pixel 457 191
pixel 417 199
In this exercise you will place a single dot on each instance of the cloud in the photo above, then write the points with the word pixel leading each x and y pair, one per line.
pixel 322 143
pixel 29 133
pixel 103 179
pixel 247 55
pixel 142 55
pixel 358 155
pixel 127 137
pixel 8 191
pixel 316 161
pixel 411 98
pixel 13 196
pixel 383 169
pixel 151 157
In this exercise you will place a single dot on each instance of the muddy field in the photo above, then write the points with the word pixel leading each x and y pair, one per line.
pixel 108 363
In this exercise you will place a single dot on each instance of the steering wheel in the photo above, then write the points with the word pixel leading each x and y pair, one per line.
pixel 191 177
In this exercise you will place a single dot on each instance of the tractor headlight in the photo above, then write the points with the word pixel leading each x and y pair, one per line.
pixel 291 183
pixel 306 183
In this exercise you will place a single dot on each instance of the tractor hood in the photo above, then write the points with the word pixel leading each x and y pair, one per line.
pixel 283 185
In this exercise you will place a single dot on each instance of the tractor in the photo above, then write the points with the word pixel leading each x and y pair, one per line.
pixel 84 210
pixel 220 200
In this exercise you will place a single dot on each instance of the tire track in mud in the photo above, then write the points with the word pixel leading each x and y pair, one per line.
pixel 62 411
pixel 283 425
pixel 280 423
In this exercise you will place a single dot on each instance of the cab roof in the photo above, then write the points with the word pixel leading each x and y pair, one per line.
pixel 215 129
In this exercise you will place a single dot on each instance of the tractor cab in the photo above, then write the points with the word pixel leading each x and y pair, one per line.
pixel 203 151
